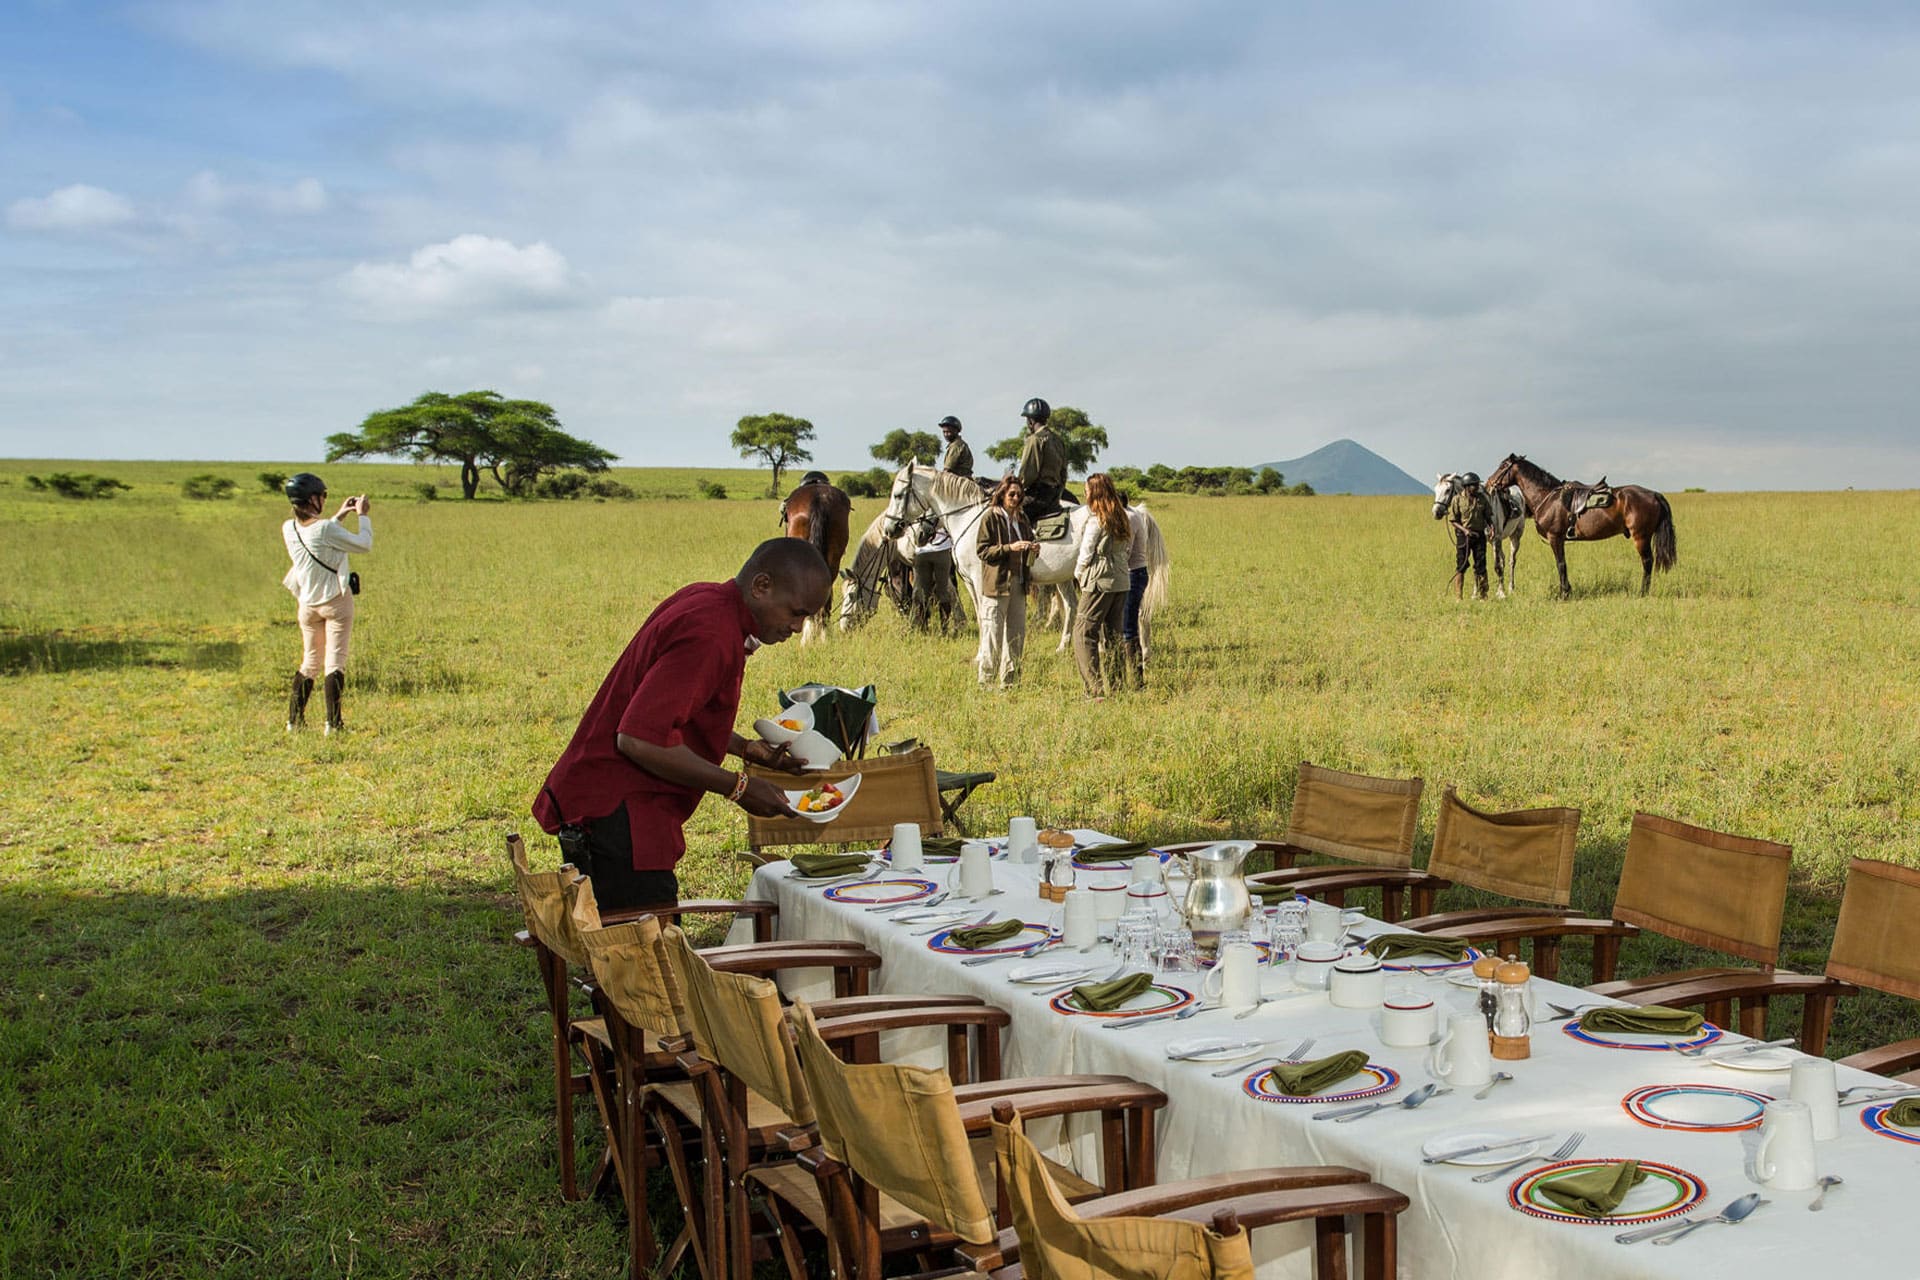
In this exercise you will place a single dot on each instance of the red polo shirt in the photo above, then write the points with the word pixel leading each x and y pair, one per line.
pixel 678 682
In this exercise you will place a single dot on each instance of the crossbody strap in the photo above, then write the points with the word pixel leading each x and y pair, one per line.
pixel 334 569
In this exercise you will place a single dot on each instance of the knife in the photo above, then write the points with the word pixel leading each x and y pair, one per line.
pixel 1123 1024
pixel 1485 1146
pixel 971 924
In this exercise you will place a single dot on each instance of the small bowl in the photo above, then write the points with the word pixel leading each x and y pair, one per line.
pixel 847 787
pixel 814 750
pixel 775 732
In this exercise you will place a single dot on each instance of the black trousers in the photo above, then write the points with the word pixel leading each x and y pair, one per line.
pixel 609 864
pixel 1474 544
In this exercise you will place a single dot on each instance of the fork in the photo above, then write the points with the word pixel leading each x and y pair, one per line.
pixel 1698 1050
pixel 1299 1052
pixel 971 924
pixel 1873 1093
pixel 923 903
pixel 1028 954
pixel 1078 982
pixel 1562 1013
pixel 1567 1148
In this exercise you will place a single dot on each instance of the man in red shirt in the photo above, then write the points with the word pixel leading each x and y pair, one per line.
pixel 651 742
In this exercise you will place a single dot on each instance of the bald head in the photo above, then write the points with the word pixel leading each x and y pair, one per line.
pixel 784 582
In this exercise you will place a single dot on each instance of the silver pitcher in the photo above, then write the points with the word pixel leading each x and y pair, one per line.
pixel 1216 899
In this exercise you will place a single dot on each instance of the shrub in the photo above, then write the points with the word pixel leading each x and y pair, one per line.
pixel 711 488
pixel 207 487
pixel 874 482
pixel 425 490
pixel 36 484
pixel 603 488
pixel 82 485
pixel 272 481
pixel 578 484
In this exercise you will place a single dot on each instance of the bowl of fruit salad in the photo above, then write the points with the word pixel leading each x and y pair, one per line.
pixel 788 725
pixel 825 802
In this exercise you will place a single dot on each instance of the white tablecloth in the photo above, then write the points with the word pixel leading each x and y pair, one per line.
pixel 1455 1227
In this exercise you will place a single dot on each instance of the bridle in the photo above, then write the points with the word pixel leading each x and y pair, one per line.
pixel 910 499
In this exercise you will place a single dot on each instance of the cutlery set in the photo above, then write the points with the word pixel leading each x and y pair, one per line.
pixel 1299 1052
pixel 1668 1232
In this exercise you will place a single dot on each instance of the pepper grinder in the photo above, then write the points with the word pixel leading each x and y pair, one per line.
pixel 1513 1011
pixel 1483 969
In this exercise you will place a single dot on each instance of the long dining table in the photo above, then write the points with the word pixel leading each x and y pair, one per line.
pixel 1456 1226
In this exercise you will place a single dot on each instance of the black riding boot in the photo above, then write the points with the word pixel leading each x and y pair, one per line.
pixel 1480 586
pixel 297 701
pixel 335 685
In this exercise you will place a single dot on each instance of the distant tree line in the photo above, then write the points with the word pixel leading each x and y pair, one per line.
pixel 518 442
pixel 1218 482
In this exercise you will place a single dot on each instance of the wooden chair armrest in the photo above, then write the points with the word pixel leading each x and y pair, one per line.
pixel 1461 921
pixel 1639 990
pixel 1309 879
pixel 991 1090
pixel 848 1006
pixel 1170 1196
pixel 1541 924
pixel 712 954
pixel 762 913
pixel 1888 1059
pixel 765 960
pixel 797 1138
pixel 1267 1208
pixel 1742 984
pixel 977 1114
pixel 853 1026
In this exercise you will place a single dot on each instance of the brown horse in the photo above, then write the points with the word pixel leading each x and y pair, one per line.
pixel 819 513
pixel 1635 512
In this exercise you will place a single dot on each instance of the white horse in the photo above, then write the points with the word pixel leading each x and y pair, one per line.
pixel 876 561
pixel 1503 532
pixel 960 503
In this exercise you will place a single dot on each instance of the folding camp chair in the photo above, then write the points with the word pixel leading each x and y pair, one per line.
pixel 1876 944
pixel 902 788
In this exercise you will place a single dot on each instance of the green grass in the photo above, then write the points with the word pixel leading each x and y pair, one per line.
pixel 260 1013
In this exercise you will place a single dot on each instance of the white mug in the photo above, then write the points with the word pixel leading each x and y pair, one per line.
pixel 1313 964
pixel 975 869
pixel 1023 839
pixel 1812 1083
pixel 1146 870
pixel 1407 1021
pixel 1238 971
pixel 1079 921
pixel 1785 1160
pixel 1323 922
pixel 906 847
pixel 1464 1057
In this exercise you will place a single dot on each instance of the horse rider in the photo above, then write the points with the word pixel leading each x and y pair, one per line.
pixel 812 477
pixel 1469 515
pixel 958 458
pixel 1043 461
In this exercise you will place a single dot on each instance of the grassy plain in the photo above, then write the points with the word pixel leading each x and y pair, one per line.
pixel 258 1012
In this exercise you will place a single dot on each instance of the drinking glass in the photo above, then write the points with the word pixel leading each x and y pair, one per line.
pixel 1173 949
pixel 1133 939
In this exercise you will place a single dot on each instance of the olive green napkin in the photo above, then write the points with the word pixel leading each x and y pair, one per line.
pixel 829 864
pixel 1905 1113
pixel 1593 1193
pixel 940 846
pixel 1643 1020
pixel 1404 946
pixel 1105 997
pixel 985 935
pixel 1304 1079
pixel 1117 852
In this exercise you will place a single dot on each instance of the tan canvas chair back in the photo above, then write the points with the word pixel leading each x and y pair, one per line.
pixel 899 1129
pixel 1706 887
pixel 902 788
pixel 739 1022
pixel 1058 1244
pixel 1355 817
pixel 545 901
pixel 1877 940
pixel 631 971
pixel 1526 854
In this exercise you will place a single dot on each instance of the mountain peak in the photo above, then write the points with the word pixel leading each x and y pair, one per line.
pixel 1347 466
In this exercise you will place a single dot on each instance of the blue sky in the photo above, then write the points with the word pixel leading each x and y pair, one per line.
pixel 1673 243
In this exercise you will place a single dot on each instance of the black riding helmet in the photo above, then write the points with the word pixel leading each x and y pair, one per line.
pixel 814 477
pixel 304 486
pixel 1036 410
pixel 949 421
pixel 1471 479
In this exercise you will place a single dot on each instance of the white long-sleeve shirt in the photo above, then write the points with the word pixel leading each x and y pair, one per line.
pixel 312 578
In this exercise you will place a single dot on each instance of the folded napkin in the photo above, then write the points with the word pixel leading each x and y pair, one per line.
pixel 985 935
pixel 1644 1020
pixel 1404 946
pixel 1593 1193
pixel 1105 997
pixel 1304 1079
pixel 940 846
pixel 829 864
pixel 1117 852
pixel 1905 1113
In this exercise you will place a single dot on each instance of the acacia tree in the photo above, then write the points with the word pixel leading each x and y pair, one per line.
pixel 1083 437
pixel 901 447
pixel 776 438
pixel 516 440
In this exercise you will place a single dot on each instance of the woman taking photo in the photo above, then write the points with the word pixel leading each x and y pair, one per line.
pixel 1006 549
pixel 1100 571
pixel 324 585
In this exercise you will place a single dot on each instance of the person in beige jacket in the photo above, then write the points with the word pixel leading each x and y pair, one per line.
pixel 1006 548
pixel 1100 572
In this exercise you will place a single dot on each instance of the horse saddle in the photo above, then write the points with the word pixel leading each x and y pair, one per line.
pixel 1580 497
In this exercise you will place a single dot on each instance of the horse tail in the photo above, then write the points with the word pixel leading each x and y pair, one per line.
pixel 817 521
pixel 1159 569
pixel 1665 554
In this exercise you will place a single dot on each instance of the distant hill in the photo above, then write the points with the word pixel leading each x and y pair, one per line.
pixel 1346 467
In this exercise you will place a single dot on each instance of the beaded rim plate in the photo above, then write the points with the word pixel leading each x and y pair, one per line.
pixel 1385 1080
pixel 1708 1034
pixel 1167 999
pixel 1725 1110
pixel 876 893
pixel 1028 935
pixel 1672 1192
pixel 1874 1118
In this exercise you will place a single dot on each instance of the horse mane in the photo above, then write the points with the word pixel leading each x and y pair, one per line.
pixel 1534 472
pixel 957 490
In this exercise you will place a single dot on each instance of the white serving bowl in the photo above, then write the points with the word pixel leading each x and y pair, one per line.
pixel 814 750
pixel 775 732
pixel 847 787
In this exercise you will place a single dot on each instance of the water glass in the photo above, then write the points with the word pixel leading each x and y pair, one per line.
pixel 1133 940
pixel 1173 949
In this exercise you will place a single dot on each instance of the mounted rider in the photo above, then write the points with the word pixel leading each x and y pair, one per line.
pixel 1469 515
pixel 959 457
pixel 1043 462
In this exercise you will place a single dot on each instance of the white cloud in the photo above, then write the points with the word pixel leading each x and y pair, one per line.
pixel 77 208
pixel 211 193
pixel 468 271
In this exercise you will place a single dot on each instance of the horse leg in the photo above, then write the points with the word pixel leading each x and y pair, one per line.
pixel 1559 545
pixel 1499 541
pixel 1069 599
pixel 1644 545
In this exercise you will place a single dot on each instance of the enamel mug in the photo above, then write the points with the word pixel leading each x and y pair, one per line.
pixel 1235 979
pixel 1785 1160
pixel 905 847
pixel 1324 923
pixel 1463 1058
pixel 974 869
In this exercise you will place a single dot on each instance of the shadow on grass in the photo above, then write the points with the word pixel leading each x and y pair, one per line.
pixel 42 652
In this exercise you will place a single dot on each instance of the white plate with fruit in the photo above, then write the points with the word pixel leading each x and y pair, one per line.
pixel 825 802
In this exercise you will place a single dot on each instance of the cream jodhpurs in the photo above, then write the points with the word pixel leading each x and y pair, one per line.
pixel 325 629
pixel 1003 637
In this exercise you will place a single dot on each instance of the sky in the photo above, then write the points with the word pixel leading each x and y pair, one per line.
pixel 1674 243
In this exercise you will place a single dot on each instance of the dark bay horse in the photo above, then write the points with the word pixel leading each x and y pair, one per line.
pixel 1638 513
pixel 819 513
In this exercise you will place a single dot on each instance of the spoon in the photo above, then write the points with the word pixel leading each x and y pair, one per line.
pixel 1123 1023
pixel 1499 1078
pixel 1735 1212
pixel 1820 1196
pixel 1700 1050
pixel 1412 1100
pixel 923 904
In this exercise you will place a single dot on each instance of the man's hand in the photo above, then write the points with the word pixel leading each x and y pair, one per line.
pixel 769 756
pixel 764 800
